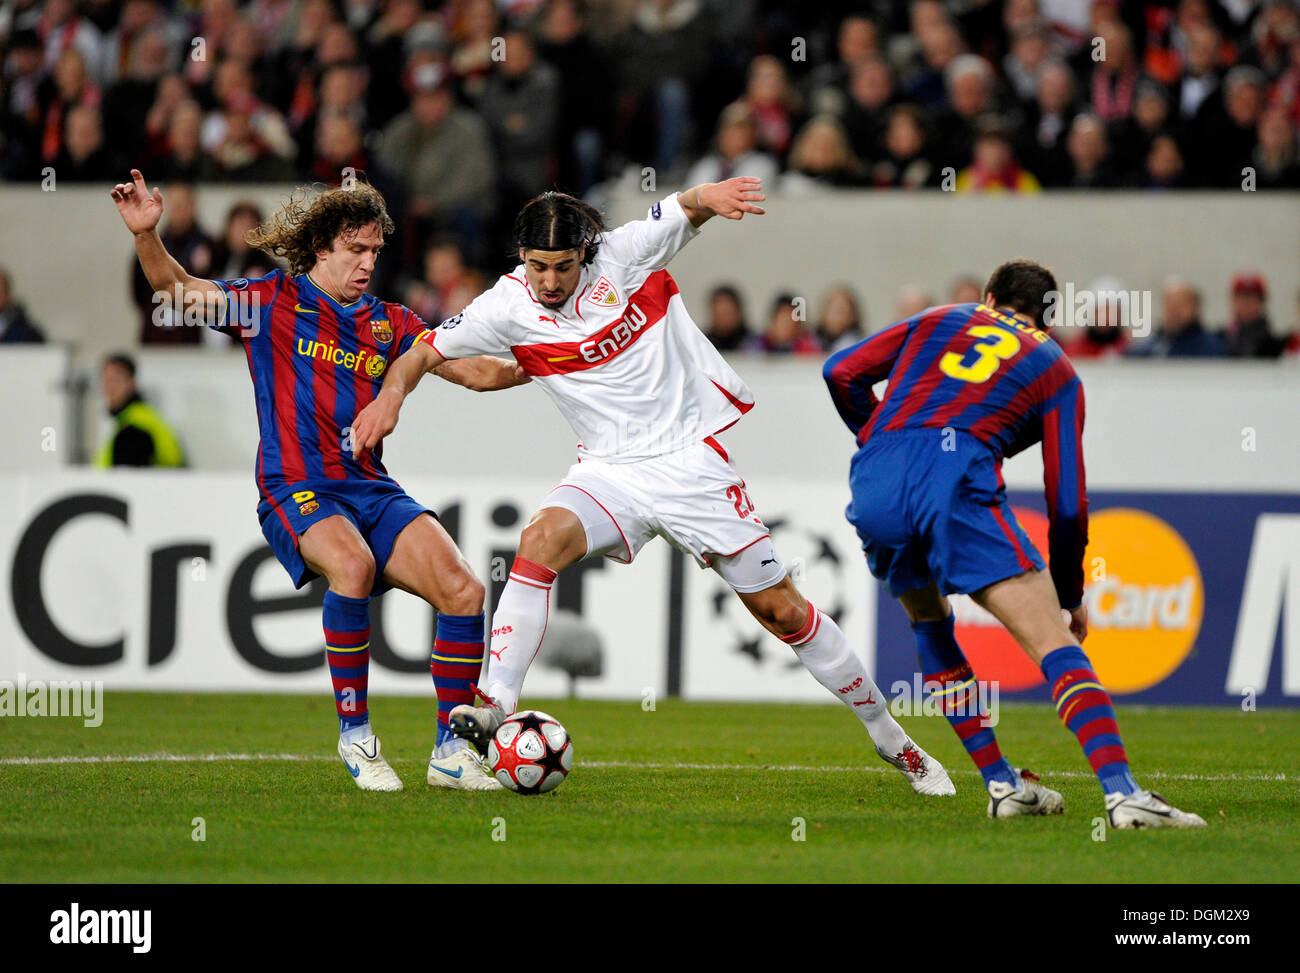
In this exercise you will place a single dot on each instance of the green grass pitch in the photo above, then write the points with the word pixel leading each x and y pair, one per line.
pixel 689 792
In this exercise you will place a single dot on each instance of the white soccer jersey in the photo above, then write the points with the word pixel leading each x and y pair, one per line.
pixel 622 359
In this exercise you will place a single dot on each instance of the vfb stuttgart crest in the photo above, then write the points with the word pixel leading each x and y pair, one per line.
pixel 381 331
pixel 604 293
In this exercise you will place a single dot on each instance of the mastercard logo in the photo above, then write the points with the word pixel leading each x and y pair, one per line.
pixel 1145 599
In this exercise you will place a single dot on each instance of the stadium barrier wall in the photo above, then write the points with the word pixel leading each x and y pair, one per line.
pixel 161 580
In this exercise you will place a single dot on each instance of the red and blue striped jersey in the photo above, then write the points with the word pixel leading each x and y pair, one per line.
pixel 315 364
pixel 973 368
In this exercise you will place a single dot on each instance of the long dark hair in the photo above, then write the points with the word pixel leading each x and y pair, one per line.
pixel 558 221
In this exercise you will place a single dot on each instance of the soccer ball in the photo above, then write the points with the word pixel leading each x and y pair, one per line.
pixel 531 753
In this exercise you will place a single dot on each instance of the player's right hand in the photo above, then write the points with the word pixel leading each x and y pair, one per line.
pixel 140 210
pixel 374 422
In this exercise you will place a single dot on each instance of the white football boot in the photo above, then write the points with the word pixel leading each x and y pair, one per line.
pixel 457 765
pixel 477 724
pixel 1026 796
pixel 1144 809
pixel 926 774
pixel 367 765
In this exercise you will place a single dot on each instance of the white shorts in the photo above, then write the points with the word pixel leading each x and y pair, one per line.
pixel 692 498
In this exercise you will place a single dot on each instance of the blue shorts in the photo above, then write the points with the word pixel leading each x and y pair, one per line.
pixel 926 513
pixel 378 508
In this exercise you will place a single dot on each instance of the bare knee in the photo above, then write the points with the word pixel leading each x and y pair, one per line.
pixel 553 541
pixel 353 574
pixel 464 596
pixel 925 605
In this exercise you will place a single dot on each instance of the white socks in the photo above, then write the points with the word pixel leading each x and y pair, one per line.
pixel 825 652
pixel 518 625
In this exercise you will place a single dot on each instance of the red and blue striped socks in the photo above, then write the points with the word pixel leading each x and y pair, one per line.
pixel 455 664
pixel 1084 707
pixel 347 649
pixel 943 662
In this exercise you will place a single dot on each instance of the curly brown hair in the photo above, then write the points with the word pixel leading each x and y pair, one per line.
pixel 313 218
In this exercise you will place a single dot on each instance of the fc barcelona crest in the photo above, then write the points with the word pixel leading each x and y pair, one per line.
pixel 381 331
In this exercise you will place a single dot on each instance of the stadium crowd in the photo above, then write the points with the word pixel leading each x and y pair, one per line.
pixel 460 110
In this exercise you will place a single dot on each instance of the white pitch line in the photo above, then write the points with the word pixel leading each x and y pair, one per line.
pixel 593 764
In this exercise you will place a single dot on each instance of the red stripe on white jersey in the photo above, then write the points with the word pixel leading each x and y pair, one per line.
pixel 646 308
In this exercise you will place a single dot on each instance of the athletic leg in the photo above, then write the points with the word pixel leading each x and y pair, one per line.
pixel 334 548
pixel 825 652
pixel 944 667
pixel 426 563
pixel 1028 607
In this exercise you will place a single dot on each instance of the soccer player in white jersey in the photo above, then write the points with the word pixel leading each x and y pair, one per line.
pixel 594 318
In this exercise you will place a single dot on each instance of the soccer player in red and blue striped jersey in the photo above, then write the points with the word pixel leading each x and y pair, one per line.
pixel 318 347
pixel 968 385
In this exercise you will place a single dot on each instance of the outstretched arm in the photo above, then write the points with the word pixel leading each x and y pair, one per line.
pixel 141 211
pixel 730 199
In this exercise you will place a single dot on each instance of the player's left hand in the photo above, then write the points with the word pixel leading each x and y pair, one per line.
pixel 733 198
pixel 1079 622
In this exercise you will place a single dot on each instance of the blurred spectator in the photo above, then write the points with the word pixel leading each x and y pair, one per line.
pixel 994 167
pixel 21 109
pixel 15 326
pixel 1248 333
pixel 475 29
pixel 1115 76
pixel 1164 164
pixel 821 157
pixel 940 46
pixel 1274 158
pixel 1200 77
pixel 1047 124
pixel 62 28
pixel 1226 128
pixel 966 290
pixel 727 329
pixel 232 257
pixel 246 138
pixel 904 163
pixel 912 300
pixel 447 285
pixel 1089 150
pixel 856 42
pixel 1107 334
pixel 871 92
pixel 521 107
pixel 1030 49
pixel 774 102
pixel 141 437
pixel 660 58
pixel 181 153
pixel 68 87
pixel 84 158
pixel 735 151
pixel 840 322
pixel 785 333
pixel 442 157
pixel 586 102
pixel 970 95
pixel 1181 335
pixel 1133 137
pixel 160 323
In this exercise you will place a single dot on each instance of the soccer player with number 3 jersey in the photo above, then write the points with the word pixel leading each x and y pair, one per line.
pixel 318 348
pixel 970 384
pixel 595 319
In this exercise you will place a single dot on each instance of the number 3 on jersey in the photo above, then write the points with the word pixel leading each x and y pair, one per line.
pixel 1002 347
